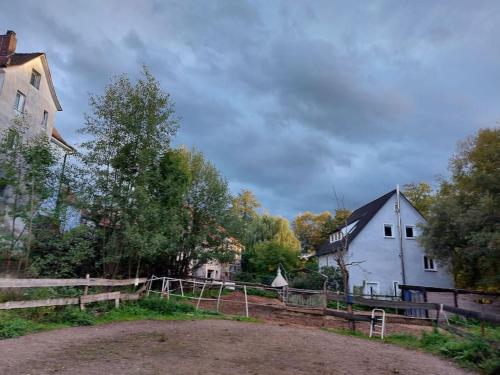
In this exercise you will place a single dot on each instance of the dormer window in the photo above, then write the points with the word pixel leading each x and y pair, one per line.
pixel 337 236
pixel 35 79
pixel 20 102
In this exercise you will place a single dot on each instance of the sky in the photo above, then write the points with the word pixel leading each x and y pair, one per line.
pixel 292 100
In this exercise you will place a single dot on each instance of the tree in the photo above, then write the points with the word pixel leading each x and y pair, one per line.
pixel 310 229
pixel 200 217
pixel 271 228
pixel 420 195
pixel 268 255
pixel 26 163
pixel 463 226
pixel 129 134
pixel 243 212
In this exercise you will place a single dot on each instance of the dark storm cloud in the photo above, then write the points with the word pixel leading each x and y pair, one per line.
pixel 290 100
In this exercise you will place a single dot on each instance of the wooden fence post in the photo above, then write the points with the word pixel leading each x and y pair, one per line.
pixel 85 292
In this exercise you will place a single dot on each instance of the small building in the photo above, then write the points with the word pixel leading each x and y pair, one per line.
pixel 216 270
pixel 382 247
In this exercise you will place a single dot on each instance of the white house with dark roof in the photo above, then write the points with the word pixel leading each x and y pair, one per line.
pixel 382 245
pixel 26 87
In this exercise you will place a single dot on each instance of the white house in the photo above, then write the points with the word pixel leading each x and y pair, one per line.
pixel 26 89
pixel 382 246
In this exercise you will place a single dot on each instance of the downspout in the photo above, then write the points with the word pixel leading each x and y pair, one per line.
pixel 400 233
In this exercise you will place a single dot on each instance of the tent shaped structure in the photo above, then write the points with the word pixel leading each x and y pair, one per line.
pixel 279 281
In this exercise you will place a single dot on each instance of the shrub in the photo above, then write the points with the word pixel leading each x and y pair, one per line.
pixel 164 306
pixel 15 327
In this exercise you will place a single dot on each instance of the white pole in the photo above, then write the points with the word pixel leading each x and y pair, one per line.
pixel 246 300
pixel 220 292
pixel 168 289
pixel 162 287
pixel 182 290
pixel 201 294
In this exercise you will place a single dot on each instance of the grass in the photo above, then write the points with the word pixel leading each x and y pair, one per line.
pixel 14 323
pixel 474 353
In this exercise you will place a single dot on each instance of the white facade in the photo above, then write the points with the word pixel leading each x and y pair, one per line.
pixel 380 269
pixel 14 79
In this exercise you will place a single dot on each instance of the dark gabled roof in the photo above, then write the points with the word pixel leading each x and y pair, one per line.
pixel 21 58
pixel 362 215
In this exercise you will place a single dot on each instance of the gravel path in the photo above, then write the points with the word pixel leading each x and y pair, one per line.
pixel 208 347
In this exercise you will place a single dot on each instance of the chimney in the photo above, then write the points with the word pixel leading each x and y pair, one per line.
pixel 7 46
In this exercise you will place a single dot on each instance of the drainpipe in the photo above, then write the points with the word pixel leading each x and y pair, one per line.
pixel 400 233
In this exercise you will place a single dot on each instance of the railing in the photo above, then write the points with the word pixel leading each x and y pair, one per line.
pixel 82 300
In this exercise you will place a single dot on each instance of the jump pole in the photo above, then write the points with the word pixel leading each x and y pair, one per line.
pixel 201 294
pixel 218 297
pixel 246 300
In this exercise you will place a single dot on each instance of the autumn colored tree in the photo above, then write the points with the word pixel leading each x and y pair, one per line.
pixel 463 227
pixel 311 229
pixel 420 195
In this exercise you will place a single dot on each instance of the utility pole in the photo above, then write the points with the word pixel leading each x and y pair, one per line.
pixel 400 233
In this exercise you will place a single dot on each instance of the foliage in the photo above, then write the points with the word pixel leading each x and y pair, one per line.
pixel 267 256
pixel 15 323
pixel 420 195
pixel 312 229
pixel 26 162
pixel 67 254
pixel 463 228
pixel 310 277
pixel 474 353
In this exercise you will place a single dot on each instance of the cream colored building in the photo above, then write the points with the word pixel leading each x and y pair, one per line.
pixel 222 271
pixel 26 88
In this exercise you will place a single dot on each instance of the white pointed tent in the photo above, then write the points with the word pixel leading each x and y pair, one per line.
pixel 279 281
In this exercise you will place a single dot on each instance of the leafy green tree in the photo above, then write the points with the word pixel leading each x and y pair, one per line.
pixel 463 227
pixel 420 195
pixel 200 217
pixel 268 255
pixel 27 176
pixel 129 133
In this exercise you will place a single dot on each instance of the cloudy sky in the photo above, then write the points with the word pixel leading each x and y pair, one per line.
pixel 290 99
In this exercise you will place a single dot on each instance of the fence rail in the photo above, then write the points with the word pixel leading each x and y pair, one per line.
pixel 82 300
pixel 45 283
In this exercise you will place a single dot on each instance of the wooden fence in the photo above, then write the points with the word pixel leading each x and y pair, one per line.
pixel 437 307
pixel 82 300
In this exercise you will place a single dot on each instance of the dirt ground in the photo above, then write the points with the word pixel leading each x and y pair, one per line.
pixel 208 347
pixel 273 310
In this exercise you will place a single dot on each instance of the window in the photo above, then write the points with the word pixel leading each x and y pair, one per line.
pixel 331 238
pixel 429 264
pixel 337 236
pixel 45 118
pixel 388 230
pixel 409 231
pixel 35 79
pixel 20 101
pixel 210 274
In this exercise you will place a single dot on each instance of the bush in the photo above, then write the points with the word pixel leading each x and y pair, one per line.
pixel 164 306
pixel 15 327
pixel 72 316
